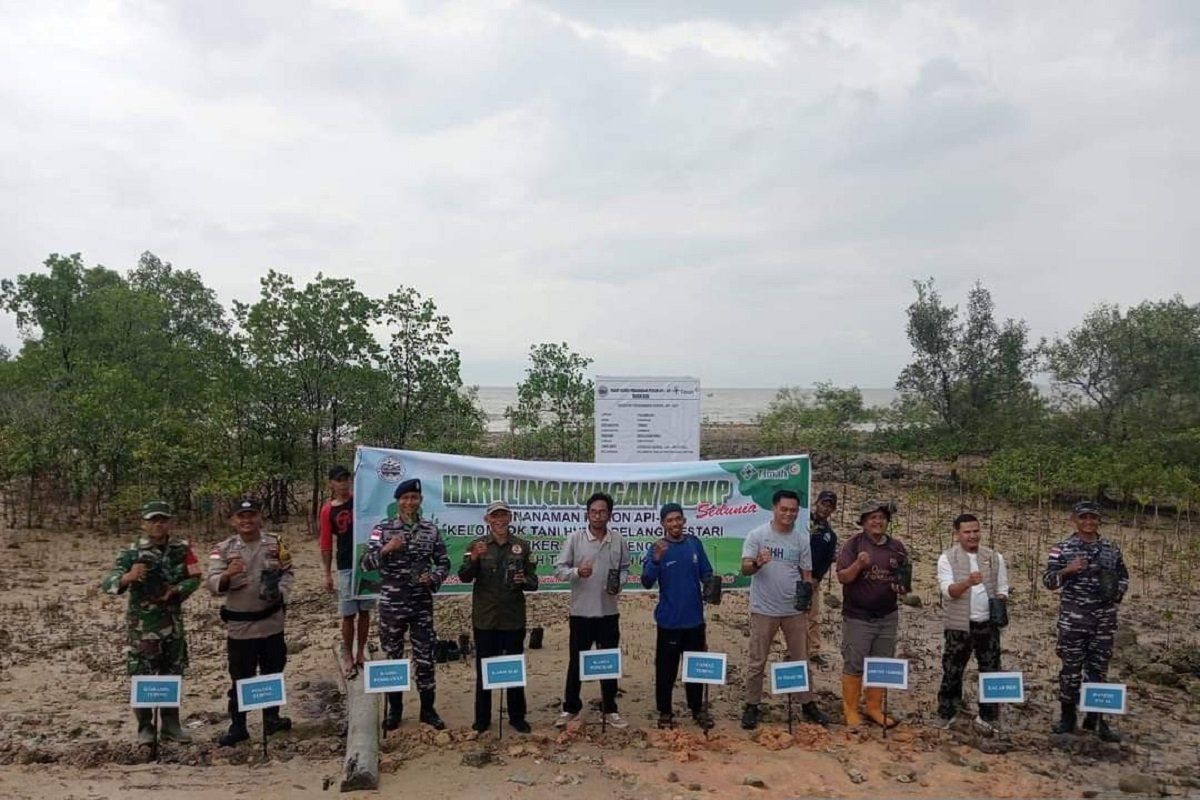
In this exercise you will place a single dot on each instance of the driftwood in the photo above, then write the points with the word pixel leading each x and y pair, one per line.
pixel 361 769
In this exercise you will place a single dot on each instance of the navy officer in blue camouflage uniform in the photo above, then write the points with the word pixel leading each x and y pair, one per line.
pixel 412 561
pixel 823 542
pixel 1092 576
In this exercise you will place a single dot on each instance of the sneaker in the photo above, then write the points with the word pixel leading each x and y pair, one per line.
pixel 984 727
pixel 564 719
pixel 519 725
pixel 943 723
pixel 614 720
pixel 480 727
pixel 704 720
pixel 812 712
pixel 666 721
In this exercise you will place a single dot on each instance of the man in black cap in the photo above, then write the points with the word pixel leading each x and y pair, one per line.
pixel 411 558
pixel 1091 573
pixel 823 542
pixel 679 565
pixel 335 526
pixel 252 572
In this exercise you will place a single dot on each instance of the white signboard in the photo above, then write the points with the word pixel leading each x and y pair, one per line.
pixel 641 420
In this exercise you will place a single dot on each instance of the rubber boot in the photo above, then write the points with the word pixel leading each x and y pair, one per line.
pixel 875 708
pixel 428 715
pixel 1067 723
pixel 145 721
pixel 851 692
pixel 273 723
pixel 237 730
pixel 750 716
pixel 395 710
pixel 1089 721
pixel 171 730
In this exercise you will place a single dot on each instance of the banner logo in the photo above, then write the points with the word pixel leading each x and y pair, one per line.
pixel 390 470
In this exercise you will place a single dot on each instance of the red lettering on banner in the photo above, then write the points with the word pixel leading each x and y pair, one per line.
pixel 709 510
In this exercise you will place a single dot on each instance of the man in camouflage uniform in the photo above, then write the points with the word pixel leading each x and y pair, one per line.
pixel 252 572
pixel 159 573
pixel 1091 573
pixel 412 562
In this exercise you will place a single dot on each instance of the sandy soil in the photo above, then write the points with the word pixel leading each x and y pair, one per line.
pixel 66 730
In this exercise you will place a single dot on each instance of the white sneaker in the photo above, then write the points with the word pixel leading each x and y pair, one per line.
pixel 984 727
pixel 615 721
pixel 564 719
pixel 944 722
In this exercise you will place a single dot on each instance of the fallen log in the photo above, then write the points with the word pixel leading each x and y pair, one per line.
pixel 361 769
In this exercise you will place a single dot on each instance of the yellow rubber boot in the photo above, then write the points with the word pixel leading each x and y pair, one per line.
pixel 875 708
pixel 851 691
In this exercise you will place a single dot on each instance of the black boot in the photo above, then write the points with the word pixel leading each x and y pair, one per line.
pixel 1106 733
pixel 273 723
pixel 1089 721
pixel 145 721
pixel 750 717
pixel 1067 723
pixel 395 710
pixel 237 730
pixel 428 715
pixel 813 713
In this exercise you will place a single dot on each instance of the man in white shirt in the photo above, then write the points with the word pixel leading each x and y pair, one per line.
pixel 969 576
pixel 595 561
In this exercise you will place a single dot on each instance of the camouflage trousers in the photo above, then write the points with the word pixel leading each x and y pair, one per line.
pixel 398 619
pixel 1085 645
pixel 983 639
pixel 156 656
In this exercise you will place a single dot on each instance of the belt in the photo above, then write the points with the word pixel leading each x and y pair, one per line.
pixel 229 615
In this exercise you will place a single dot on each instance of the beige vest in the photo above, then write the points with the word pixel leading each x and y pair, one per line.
pixel 956 613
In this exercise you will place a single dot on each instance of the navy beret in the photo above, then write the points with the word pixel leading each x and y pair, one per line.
pixel 410 485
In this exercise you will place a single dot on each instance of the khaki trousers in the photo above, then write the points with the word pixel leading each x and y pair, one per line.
pixel 762 636
pixel 814 621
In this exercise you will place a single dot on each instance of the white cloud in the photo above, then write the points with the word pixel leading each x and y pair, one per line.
pixel 738 191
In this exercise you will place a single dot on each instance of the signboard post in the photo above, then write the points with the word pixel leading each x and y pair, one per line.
pixel 155 691
pixel 706 668
pixel 500 673
pixel 600 665
pixel 642 420
pixel 885 673
pixel 262 691
pixel 789 677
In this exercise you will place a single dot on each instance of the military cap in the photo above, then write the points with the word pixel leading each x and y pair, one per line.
pixel 1086 507
pixel 827 494
pixel 156 508
pixel 337 472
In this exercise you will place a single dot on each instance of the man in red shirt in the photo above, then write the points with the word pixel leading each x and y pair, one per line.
pixel 336 525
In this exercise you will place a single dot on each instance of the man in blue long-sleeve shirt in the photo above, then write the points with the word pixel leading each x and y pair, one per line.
pixel 678 564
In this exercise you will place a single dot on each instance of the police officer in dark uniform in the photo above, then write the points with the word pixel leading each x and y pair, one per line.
pixel 1092 576
pixel 412 562
pixel 503 569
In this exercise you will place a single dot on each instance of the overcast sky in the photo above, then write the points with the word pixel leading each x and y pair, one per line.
pixel 739 191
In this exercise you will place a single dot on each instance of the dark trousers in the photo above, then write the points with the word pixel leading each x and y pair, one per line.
pixel 1085 645
pixel 984 640
pixel 497 643
pixel 669 650
pixel 604 633
pixel 250 657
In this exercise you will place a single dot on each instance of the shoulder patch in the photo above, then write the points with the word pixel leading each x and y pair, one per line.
pixel 376 534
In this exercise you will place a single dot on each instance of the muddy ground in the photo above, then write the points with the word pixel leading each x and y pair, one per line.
pixel 66 730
